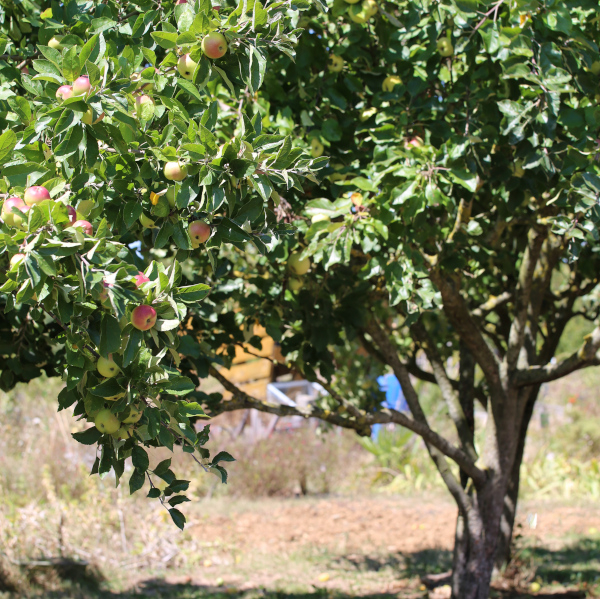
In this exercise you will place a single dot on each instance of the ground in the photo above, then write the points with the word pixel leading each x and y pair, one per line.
pixel 360 546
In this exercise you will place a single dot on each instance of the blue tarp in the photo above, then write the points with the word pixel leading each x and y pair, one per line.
pixel 394 398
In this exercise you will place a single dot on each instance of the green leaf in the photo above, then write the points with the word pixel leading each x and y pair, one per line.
pixel 177 517
pixel 164 39
pixel 189 87
pixel 193 408
pixel 8 140
pixel 110 335
pixel 139 458
pixel 179 385
pixel 193 293
pixel 136 482
pixel 71 66
pixel 88 437
pixel 222 456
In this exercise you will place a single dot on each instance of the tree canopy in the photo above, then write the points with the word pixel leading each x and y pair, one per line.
pixel 409 177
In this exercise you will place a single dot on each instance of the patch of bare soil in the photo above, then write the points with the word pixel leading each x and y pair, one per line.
pixel 392 525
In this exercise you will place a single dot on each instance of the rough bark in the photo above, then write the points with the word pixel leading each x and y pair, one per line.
pixel 507 524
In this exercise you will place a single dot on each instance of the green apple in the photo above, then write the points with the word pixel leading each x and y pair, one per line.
pixel 595 68
pixel 107 422
pixel 134 415
pixel 445 48
pixel 295 284
pixel 175 171
pixel 358 14
pixel 107 367
pixel 316 148
pixel 335 63
pixel 299 266
pixel 352 1
pixel 370 8
pixel 186 66
pixel 124 433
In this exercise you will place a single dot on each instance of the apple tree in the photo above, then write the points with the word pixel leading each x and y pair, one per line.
pixel 457 220
pixel 130 143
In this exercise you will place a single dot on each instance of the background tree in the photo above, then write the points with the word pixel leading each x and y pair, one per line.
pixel 457 219
pixel 129 139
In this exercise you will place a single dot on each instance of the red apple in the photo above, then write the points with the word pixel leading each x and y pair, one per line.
pixel 72 215
pixel 85 225
pixel 143 317
pixel 140 279
pixel 36 194
pixel 180 2
pixel 64 92
pixel 7 215
pixel 214 45
pixel 174 171
pixel 199 233
pixel 81 85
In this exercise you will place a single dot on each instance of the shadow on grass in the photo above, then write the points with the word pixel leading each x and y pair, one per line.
pixel 576 566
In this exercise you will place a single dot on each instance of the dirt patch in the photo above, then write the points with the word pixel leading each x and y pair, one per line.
pixel 391 525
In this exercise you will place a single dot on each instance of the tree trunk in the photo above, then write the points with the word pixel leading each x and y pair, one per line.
pixel 474 554
pixel 507 524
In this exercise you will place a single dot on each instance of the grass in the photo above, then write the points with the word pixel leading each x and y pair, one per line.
pixel 50 507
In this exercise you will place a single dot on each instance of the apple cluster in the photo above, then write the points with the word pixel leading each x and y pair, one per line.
pixel 298 266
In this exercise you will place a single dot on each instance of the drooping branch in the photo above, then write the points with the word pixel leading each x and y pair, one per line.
pixel 446 387
pixel 587 355
pixel 516 337
pixel 457 310
pixel 362 423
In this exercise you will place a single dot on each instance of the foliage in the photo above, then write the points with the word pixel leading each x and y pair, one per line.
pixel 70 299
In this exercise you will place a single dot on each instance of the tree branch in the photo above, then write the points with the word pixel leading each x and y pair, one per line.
pixel 455 307
pixel 516 336
pixel 241 400
pixel 446 387
pixel 587 355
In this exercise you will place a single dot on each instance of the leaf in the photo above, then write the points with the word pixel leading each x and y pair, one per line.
pixel 162 467
pixel 177 517
pixel 8 140
pixel 189 87
pixel 179 385
pixel 88 437
pixel 222 456
pixel 177 499
pixel 71 65
pixel 164 39
pixel 193 408
pixel 110 335
pixel 136 482
pixel 193 293
pixel 139 458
